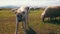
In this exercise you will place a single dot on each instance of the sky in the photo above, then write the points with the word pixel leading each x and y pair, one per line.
pixel 29 2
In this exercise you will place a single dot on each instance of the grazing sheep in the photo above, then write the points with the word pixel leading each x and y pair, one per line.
pixel 51 12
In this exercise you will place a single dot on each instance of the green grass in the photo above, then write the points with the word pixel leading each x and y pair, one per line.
pixel 7 23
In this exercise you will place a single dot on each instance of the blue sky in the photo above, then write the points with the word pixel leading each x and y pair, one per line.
pixel 29 2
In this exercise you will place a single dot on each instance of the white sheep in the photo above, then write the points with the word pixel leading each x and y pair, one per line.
pixel 51 11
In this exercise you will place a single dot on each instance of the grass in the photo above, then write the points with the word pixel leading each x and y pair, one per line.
pixel 7 24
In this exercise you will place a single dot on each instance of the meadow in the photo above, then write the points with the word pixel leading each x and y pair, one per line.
pixel 36 26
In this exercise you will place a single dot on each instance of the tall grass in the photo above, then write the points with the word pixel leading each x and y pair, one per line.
pixel 7 23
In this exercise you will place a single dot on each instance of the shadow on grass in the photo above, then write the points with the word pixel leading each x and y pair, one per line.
pixel 53 21
pixel 30 31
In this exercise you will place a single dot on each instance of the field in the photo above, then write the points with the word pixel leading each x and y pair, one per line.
pixel 36 26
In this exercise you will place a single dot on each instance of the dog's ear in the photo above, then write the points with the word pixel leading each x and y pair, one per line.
pixel 13 10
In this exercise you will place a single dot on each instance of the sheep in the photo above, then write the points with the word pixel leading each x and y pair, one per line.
pixel 51 12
